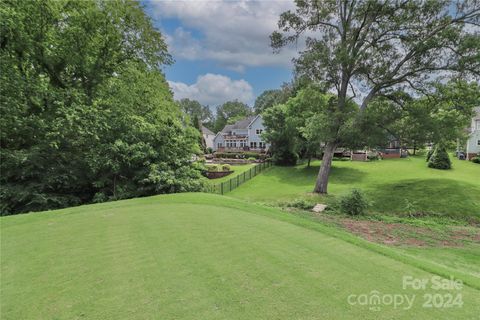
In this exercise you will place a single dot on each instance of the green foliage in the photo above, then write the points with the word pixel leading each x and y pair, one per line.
pixel 239 155
pixel 440 159
pixel 226 167
pixel 362 43
pixel 354 203
pixel 197 111
pixel 251 159
pixel 269 98
pixel 429 154
pixel 476 160
pixel 301 203
pixel 92 119
pixel 231 111
pixel 281 134
pixel 214 167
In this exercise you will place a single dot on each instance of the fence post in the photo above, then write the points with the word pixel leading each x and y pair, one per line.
pixel 238 180
pixel 221 188
pixel 230 184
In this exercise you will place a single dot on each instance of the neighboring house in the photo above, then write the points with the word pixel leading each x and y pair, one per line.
pixel 473 142
pixel 243 135
pixel 208 136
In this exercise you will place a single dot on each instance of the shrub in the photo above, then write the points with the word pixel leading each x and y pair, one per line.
pixel 213 168
pixel 476 159
pixel 286 157
pixel 440 159
pixel 354 203
pixel 226 167
pixel 229 155
pixel 429 154
pixel 301 204
pixel 251 159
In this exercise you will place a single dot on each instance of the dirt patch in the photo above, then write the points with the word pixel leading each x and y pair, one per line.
pixel 397 234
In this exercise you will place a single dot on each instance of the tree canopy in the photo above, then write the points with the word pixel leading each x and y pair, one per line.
pixel 368 49
pixel 229 112
pixel 86 112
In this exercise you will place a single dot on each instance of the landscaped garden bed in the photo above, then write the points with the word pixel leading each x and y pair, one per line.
pixel 215 171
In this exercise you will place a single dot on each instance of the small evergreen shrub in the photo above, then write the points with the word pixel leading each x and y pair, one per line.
pixel 476 159
pixel 440 159
pixel 355 203
pixel 429 154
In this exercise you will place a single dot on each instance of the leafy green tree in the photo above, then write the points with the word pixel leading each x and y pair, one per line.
pixel 231 111
pixel 86 112
pixel 281 134
pixel 194 109
pixel 379 47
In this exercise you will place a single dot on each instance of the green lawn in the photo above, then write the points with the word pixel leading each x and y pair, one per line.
pixel 237 169
pixel 203 256
pixel 388 183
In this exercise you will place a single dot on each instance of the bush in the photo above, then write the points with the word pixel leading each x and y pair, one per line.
pixel 229 155
pixel 354 203
pixel 429 154
pixel 213 168
pixel 285 157
pixel 301 204
pixel 440 159
pixel 226 167
pixel 476 159
pixel 251 159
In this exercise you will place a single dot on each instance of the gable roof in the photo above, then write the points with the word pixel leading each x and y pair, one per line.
pixel 205 130
pixel 239 125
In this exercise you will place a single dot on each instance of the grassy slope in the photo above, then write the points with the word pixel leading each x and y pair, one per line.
pixel 236 171
pixel 389 183
pixel 198 256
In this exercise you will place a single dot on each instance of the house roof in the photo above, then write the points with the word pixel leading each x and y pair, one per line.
pixel 205 130
pixel 240 124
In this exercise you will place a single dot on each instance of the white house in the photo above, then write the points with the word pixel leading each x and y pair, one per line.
pixel 243 135
pixel 208 136
pixel 473 142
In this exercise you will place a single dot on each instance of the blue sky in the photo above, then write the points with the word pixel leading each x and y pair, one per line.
pixel 221 48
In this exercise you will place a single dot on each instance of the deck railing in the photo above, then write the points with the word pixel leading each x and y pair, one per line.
pixel 234 182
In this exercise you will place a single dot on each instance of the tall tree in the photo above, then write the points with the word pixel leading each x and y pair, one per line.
pixel 195 109
pixel 231 111
pixel 377 48
pixel 87 114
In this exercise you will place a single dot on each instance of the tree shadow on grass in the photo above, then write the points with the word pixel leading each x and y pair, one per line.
pixel 427 196
pixel 306 176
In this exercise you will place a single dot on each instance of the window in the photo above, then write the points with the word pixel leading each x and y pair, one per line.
pixel 261 144
pixel 219 145
pixel 477 124
pixel 259 131
pixel 253 144
pixel 478 142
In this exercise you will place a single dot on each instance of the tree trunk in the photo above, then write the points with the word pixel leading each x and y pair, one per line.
pixel 323 173
pixel 309 160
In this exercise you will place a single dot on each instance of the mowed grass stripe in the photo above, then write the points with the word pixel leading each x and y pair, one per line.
pixel 167 258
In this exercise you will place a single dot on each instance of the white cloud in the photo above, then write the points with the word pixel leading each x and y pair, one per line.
pixel 214 89
pixel 234 33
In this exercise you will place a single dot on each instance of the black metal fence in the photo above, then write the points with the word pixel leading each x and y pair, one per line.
pixel 234 182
